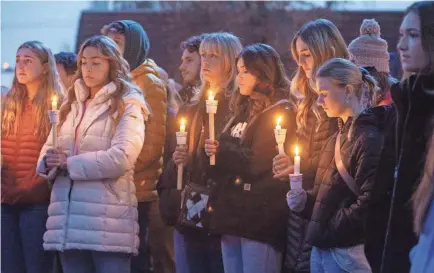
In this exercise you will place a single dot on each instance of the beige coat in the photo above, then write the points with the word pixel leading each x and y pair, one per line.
pixel 95 207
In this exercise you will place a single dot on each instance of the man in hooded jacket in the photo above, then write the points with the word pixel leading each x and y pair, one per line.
pixel 134 44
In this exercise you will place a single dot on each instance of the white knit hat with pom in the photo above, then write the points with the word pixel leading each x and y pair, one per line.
pixel 369 49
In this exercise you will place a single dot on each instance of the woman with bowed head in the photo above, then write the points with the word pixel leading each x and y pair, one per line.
pixel 93 211
pixel 25 126
pixel 315 43
pixel 390 222
pixel 218 53
pixel 249 208
pixel 339 202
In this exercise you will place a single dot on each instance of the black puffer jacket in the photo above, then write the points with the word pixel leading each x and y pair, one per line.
pixel 249 203
pixel 311 141
pixel 404 156
pixel 338 215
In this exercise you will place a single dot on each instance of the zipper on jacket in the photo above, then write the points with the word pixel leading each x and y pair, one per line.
pixel 130 207
pixel 398 152
pixel 74 128
pixel 67 210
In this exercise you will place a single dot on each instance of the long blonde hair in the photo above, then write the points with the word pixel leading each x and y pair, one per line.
pixel 13 104
pixel 118 74
pixel 324 42
pixel 229 47
pixel 425 191
pixel 343 72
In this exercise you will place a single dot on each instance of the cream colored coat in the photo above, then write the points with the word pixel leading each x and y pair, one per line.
pixel 95 208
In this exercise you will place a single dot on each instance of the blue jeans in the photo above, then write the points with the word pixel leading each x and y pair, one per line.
pixel 204 254
pixel 86 261
pixel 242 255
pixel 180 253
pixel 156 240
pixel 339 260
pixel 322 261
pixel 22 231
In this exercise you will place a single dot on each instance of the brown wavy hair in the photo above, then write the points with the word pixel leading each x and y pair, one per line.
pixel 264 63
pixel 324 42
pixel 119 75
pixel 13 103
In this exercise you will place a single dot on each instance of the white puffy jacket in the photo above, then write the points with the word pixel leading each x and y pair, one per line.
pixel 95 207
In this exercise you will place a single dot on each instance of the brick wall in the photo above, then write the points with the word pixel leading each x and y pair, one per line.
pixel 277 28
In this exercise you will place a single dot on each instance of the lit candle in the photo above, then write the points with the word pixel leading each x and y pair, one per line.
pixel 54 103
pixel 211 109
pixel 280 135
pixel 182 127
pixel 53 114
pixel 181 141
pixel 296 161
pixel 279 120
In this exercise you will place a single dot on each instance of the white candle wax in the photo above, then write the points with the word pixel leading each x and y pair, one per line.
pixel 296 162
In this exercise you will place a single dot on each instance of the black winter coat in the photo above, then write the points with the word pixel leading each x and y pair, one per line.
pixel 400 170
pixel 248 202
pixel 311 141
pixel 198 168
pixel 338 215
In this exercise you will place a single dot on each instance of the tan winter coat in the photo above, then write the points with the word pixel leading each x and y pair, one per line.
pixel 150 162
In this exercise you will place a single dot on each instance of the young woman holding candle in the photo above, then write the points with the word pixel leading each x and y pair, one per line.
pixel 315 43
pixel 25 126
pixel 249 209
pixel 346 172
pixel 218 53
pixel 93 211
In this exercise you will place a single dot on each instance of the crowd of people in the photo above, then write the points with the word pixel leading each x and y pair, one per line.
pixel 105 187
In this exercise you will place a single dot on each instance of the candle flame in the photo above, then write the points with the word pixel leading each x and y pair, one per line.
pixel 279 119
pixel 296 150
pixel 182 127
pixel 54 103
pixel 211 95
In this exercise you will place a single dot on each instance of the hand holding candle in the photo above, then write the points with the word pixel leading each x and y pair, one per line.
pixel 181 140
pixel 211 109
pixel 280 135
